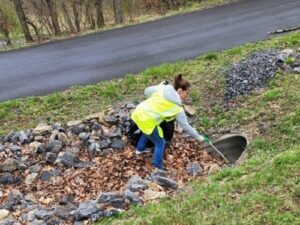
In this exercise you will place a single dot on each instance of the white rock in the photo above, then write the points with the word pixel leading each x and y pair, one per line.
pixel 54 135
pixel 74 123
pixel 3 214
pixel 34 145
pixel 296 69
pixel 287 51
pixel 63 138
pixel 152 195
pixel 30 178
pixel 42 128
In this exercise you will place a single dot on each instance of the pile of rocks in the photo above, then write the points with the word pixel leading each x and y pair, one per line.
pixel 254 72
pixel 85 170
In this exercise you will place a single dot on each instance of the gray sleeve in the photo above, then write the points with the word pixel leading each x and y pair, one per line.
pixel 183 122
pixel 150 90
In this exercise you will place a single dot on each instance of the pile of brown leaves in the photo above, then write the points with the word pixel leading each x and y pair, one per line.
pixel 112 171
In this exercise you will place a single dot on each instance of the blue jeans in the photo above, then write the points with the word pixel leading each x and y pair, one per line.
pixel 159 148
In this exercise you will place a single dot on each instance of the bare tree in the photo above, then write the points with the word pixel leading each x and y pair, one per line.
pixel 89 14
pixel 22 19
pixel 99 10
pixel 119 18
pixel 67 15
pixel 4 24
pixel 54 17
pixel 76 11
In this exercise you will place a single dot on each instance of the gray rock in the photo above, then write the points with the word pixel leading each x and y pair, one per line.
pixel 281 57
pixel 35 168
pixel 15 196
pixel 21 165
pixel 54 221
pixel 41 149
pixel 132 197
pixel 257 70
pixel 9 165
pixel 23 137
pixel 96 126
pixel 130 106
pixel 108 197
pixel 54 146
pixel 80 165
pixel 116 133
pixel 74 151
pixel 97 216
pixel 63 213
pixel 37 222
pixel 85 210
pixel 104 143
pixel 78 223
pixel 165 182
pixel 92 148
pixel 46 175
pixel 66 200
pixel 78 129
pixel 7 222
pixel 194 169
pixel 66 158
pixel 9 137
pixel 15 148
pixel 43 214
pixel 136 184
pixel 51 157
pixel 2 148
pixel 111 119
pixel 8 178
pixel 158 172
pixel 118 144
pixel 84 136
pixel 58 127
pixel 296 69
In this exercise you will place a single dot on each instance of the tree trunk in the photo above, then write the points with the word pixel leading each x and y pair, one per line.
pixel 4 28
pixel 54 17
pixel 22 19
pixel 76 6
pixel 67 16
pixel 89 15
pixel 118 11
pixel 99 10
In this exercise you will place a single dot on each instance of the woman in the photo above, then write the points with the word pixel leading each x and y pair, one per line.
pixel 164 103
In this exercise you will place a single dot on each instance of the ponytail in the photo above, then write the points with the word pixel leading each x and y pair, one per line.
pixel 179 82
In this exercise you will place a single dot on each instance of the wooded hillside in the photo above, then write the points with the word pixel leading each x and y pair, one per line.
pixel 43 19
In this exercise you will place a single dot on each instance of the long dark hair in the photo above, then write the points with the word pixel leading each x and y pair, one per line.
pixel 179 82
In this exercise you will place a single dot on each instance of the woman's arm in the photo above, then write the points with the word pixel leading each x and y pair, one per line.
pixel 183 122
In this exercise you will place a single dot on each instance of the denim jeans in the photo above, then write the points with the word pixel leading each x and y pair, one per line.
pixel 159 148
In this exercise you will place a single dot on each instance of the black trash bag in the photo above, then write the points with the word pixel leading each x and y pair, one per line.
pixel 134 132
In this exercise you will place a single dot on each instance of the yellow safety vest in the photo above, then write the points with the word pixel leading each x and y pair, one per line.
pixel 151 112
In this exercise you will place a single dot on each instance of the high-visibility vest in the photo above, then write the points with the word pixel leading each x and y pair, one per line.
pixel 151 112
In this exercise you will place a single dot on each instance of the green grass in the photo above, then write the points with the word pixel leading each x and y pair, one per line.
pixel 263 190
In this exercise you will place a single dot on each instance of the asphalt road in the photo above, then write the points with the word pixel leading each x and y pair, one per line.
pixel 89 59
